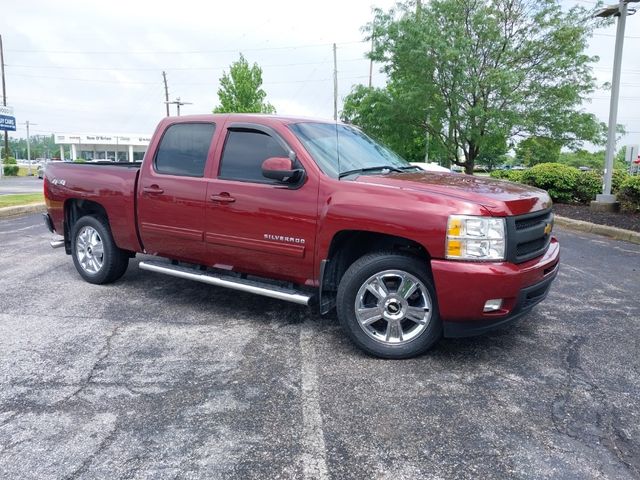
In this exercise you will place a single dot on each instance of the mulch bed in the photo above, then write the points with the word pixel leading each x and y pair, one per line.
pixel 628 221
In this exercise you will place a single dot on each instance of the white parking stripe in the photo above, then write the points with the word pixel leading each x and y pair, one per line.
pixel 314 453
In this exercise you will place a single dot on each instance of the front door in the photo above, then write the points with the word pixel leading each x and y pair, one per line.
pixel 172 192
pixel 256 225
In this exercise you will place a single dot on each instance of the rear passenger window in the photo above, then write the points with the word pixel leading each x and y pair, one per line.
pixel 183 149
pixel 244 152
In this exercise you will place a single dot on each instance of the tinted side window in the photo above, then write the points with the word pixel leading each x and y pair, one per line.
pixel 244 152
pixel 183 149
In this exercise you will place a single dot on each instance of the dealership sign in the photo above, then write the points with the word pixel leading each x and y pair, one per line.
pixel 7 120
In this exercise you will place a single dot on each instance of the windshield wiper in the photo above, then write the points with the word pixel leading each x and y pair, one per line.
pixel 409 167
pixel 369 169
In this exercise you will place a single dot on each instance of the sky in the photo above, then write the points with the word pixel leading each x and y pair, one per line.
pixel 85 66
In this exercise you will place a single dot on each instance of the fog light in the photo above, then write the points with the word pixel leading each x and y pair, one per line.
pixel 493 305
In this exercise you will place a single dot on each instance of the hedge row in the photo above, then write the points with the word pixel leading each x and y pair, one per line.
pixel 629 194
pixel 10 167
pixel 567 184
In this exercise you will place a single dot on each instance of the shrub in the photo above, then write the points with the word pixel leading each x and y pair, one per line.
pixel 629 194
pixel 617 179
pixel 500 174
pixel 559 180
pixel 516 175
pixel 10 167
pixel 588 185
pixel 511 175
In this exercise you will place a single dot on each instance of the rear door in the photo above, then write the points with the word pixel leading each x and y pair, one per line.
pixel 254 224
pixel 172 192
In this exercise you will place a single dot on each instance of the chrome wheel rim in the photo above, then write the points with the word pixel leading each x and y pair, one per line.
pixel 89 250
pixel 393 307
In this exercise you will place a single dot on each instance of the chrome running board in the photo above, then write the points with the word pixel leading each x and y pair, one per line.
pixel 251 286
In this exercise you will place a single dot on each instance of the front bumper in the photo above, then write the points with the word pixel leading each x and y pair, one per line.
pixel 464 287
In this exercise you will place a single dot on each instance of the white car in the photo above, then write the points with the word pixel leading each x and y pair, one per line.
pixel 431 167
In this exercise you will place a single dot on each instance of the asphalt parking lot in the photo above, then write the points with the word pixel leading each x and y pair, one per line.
pixel 156 377
pixel 13 185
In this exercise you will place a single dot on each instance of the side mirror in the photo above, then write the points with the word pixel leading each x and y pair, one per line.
pixel 281 169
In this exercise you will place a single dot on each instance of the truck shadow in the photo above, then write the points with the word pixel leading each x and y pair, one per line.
pixel 171 300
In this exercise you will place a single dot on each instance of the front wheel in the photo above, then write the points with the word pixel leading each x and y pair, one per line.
pixel 95 254
pixel 387 305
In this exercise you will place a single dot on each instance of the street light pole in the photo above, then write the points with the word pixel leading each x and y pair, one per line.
pixel 606 200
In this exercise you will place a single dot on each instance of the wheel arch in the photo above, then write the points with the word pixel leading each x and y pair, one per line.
pixel 347 246
pixel 76 208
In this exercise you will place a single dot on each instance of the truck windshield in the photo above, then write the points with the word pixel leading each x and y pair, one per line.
pixel 340 150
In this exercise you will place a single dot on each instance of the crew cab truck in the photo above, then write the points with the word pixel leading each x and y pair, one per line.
pixel 314 213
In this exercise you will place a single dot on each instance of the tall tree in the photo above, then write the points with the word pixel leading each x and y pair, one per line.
pixel 241 90
pixel 534 150
pixel 477 71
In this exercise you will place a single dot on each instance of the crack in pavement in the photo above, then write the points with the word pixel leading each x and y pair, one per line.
pixel 102 354
pixel 102 446
pixel 607 434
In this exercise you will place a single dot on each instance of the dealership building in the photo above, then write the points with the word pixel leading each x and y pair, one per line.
pixel 116 148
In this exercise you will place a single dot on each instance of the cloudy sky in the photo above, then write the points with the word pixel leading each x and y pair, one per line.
pixel 96 67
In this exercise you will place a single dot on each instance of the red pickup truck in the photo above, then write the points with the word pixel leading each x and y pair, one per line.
pixel 315 213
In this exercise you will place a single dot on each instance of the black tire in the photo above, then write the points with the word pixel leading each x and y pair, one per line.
pixel 358 275
pixel 114 260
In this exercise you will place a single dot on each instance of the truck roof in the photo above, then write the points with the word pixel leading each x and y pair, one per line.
pixel 246 117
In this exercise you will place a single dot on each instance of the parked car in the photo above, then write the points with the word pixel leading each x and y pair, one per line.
pixel 430 167
pixel 316 214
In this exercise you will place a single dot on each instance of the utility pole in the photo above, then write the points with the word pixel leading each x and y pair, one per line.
pixel 166 91
pixel 335 84
pixel 178 104
pixel 373 26
pixel 4 103
pixel 27 123
pixel 606 201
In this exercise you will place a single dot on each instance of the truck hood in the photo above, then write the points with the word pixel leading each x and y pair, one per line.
pixel 500 197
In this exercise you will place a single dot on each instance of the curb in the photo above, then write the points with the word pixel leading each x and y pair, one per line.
pixel 22 210
pixel 604 230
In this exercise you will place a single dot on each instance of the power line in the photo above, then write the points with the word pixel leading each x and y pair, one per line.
pixel 177 52
pixel 75 79
pixel 61 67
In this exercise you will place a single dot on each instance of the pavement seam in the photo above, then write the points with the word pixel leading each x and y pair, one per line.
pixel 597 229
pixel 314 461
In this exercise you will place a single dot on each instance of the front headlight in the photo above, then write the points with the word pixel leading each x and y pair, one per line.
pixel 475 238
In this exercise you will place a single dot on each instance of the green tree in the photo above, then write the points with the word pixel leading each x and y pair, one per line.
pixel 42 146
pixel 534 150
pixel 241 90
pixel 476 70
pixel 381 115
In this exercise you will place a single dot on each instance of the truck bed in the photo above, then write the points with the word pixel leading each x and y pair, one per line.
pixel 109 184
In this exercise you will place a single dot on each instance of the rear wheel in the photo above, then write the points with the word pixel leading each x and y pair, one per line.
pixel 95 254
pixel 386 304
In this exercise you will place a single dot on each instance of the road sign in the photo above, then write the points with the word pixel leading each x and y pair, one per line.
pixel 7 120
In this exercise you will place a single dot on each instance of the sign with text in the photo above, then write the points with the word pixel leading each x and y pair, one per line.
pixel 7 120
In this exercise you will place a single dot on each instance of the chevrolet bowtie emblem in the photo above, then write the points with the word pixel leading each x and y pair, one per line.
pixel 547 228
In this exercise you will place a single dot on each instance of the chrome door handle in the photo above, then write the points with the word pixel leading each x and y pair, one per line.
pixel 222 198
pixel 153 189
